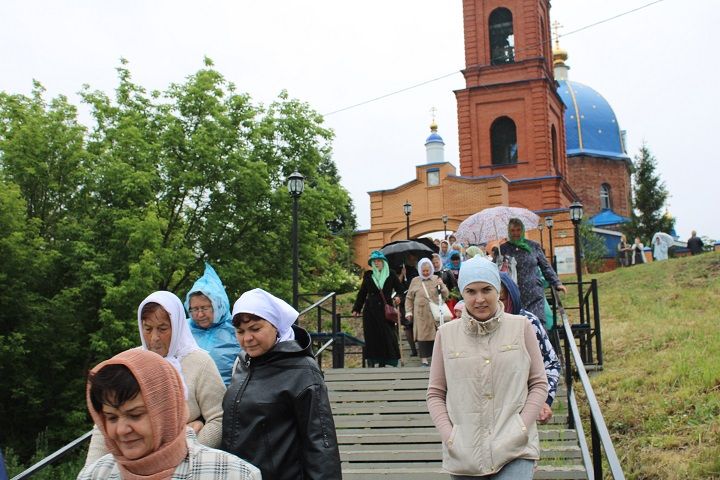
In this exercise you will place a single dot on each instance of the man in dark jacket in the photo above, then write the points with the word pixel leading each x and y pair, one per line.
pixel 695 244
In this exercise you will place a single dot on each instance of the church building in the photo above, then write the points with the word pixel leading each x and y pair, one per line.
pixel 528 137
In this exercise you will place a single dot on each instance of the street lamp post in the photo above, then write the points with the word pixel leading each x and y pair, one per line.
pixel 407 208
pixel 445 220
pixel 549 224
pixel 542 244
pixel 576 214
pixel 296 185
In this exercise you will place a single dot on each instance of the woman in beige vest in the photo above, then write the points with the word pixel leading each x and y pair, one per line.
pixel 487 384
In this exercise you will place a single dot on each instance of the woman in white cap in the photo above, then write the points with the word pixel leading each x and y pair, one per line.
pixel 424 289
pixel 277 411
pixel 487 384
pixel 164 330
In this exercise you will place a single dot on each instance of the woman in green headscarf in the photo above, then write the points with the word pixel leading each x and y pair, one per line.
pixel 381 337
pixel 529 257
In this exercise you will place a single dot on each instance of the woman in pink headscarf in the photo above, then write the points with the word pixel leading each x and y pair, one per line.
pixel 136 399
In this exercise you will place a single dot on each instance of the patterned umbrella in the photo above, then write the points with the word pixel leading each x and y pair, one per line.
pixel 491 224
pixel 664 238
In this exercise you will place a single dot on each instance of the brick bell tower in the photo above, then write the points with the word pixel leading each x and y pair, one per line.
pixel 510 116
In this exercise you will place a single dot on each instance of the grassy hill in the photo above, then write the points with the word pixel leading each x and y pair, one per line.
pixel 660 390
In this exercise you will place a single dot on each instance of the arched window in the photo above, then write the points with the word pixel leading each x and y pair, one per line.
pixel 605 197
pixel 553 135
pixel 502 40
pixel 503 141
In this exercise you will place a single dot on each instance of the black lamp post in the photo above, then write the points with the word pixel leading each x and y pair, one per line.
pixel 576 214
pixel 549 224
pixel 407 208
pixel 445 220
pixel 296 185
pixel 542 244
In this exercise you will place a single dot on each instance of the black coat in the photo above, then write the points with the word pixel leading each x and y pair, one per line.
pixel 277 414
pixel 695 245
pixel 381 340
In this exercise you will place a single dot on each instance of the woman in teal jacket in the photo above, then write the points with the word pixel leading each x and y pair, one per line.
pixel 211 323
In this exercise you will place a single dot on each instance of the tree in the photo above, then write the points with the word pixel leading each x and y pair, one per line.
pixel 594 249
pixel 649 197
pixel 95 218
pixel 42 290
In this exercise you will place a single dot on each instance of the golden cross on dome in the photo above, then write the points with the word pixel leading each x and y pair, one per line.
pixel 433 112
pixel 556 26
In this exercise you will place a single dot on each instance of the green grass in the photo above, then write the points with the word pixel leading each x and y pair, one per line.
pixel 660 387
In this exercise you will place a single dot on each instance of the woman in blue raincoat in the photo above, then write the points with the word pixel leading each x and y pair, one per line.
pixel 211 323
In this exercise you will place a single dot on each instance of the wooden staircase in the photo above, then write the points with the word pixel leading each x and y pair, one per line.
pixel 384 429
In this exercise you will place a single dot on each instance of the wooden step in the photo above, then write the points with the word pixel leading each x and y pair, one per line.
pixel 414 472
pixel 419 435
pixel 385 431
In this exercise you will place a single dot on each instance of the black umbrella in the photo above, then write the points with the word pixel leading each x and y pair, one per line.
pixel 429 243
pixel 396 252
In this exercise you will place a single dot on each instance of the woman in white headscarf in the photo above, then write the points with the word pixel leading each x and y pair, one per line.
pixel 277 411
pixel 424 289
pixel 164 330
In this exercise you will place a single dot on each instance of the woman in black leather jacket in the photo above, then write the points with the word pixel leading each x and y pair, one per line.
pixel 276 410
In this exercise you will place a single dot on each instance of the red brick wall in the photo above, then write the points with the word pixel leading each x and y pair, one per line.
pixel 523 91
pixel 586 174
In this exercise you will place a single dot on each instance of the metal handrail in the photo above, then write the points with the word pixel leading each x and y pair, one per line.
pixel 317 304
pixel 324 347
pixel 599 432
pixel 52 458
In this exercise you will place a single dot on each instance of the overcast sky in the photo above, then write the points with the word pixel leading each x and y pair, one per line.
pixel 657 67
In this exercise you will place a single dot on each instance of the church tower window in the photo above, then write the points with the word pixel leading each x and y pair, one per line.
pixel 554 140
pixel 502 40
pixel 605 197
pixel 503 141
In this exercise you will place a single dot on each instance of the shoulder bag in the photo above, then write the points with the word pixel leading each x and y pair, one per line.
pixel 391 313
pixel 440 311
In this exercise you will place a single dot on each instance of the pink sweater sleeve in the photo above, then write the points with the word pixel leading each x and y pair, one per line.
pixel 537 381
pixel 437 390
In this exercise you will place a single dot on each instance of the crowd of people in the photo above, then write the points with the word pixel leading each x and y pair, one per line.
pixel 493 370
pixel 629 254
pixel 215 394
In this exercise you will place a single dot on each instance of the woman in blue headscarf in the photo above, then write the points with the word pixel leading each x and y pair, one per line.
pixel 381 336
pixel 211 323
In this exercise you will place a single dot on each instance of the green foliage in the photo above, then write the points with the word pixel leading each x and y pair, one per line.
pixel 94 218
pixel 660 386
pixel 593 246
pixel 649 197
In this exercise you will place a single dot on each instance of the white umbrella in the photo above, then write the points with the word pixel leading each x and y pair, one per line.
pixel 664 239
pixel 491 224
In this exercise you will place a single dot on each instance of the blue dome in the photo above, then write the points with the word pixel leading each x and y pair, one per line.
pixel 608 217
pixel 434 138
pixel 591 127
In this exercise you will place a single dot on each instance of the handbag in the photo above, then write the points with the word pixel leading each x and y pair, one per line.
pixel 391 313
pixel 440 311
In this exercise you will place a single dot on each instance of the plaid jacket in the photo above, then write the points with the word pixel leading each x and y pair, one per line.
pixel 201 463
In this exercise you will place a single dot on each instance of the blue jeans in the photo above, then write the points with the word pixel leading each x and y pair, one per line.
pixel 518 469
